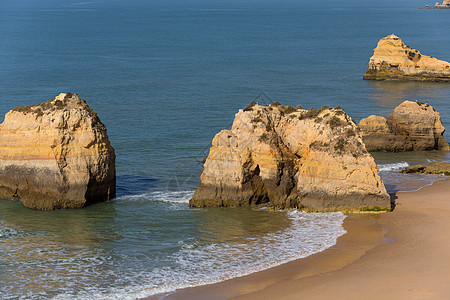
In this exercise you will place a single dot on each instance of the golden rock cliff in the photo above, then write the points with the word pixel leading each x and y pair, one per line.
pixel 291 158
pixel 412 126
pixel 56 155
pixel 393 60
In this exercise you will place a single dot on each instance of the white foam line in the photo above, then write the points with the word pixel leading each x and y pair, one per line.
pixel 392 167
pixel 195 266
pixel 423 186
pixel 161 196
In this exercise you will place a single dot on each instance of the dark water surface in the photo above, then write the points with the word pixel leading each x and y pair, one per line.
pixel 165 77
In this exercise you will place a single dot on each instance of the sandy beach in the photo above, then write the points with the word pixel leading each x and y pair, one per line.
pixel 404 254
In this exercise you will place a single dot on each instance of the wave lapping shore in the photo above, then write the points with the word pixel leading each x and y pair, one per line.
pixel 399 255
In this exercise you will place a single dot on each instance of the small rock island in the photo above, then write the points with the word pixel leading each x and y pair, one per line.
pixel 56 155
pixel 412 126
pixel 287 157
pixel 393 60
pixel 445 5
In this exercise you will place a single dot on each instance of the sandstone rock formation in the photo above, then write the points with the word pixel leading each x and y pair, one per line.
pixel 393 60
pixel 412 126
pixel 56 155
pixel 430 168
pixel 291 158
pixel 445 5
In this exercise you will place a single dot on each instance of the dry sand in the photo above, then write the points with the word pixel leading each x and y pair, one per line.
pixel 404 254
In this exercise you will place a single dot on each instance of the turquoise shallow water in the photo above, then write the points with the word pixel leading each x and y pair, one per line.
pixel 165 76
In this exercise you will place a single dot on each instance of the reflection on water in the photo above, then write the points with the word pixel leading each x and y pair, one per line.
pixel 389 94
pixel 39 249
pixel 84 225
pixel 142 240
pixel 234 225
pixel 145 244
pixel 412 157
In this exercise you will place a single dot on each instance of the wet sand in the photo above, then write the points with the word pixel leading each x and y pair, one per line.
pixel 404 254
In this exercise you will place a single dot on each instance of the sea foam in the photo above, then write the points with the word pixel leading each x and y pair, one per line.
pixel 393 166
pixel 195 264
pixel 161 196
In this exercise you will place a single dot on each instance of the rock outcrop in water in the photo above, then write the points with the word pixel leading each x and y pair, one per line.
pixel 393 60
pixel 56 155
pixel 412 126
pixel 291 158
pixel 430 168
pixel 445 5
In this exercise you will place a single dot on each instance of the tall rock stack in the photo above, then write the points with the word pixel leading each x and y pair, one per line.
pixel 393 60
pixel 412 126
pixel 291 158
pixel 56 155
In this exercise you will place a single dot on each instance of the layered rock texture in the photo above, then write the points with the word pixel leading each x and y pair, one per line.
pixel 291 158
pixel 56 155
pixel 412 126
pixel 393 60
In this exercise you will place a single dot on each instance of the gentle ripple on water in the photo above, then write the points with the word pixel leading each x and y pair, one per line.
pixel 100 264
pixel 390 166
pixel 165 78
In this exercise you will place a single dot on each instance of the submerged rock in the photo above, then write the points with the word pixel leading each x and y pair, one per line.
pixel 393 60
pixel 56 155
pixel 412 126
pixel 291 158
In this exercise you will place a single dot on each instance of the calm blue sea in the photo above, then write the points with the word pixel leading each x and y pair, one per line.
pixel 165 77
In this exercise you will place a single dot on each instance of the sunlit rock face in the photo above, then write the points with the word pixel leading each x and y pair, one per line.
pixel 412 126
pixel 291 158
pixel 393 60
pixel 56 155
